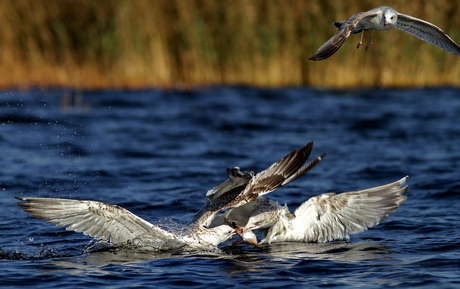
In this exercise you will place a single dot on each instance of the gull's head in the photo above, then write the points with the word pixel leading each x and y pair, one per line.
pixel 390 17
pixel 220 234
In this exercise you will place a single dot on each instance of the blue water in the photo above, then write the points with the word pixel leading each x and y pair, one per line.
pixel 156 153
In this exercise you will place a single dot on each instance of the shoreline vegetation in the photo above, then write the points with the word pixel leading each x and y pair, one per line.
pixel 101 44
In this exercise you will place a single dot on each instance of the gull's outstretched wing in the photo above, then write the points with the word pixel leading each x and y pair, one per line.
pixel 331 216
pixel 335 42
pixel 284 171
pixel 101 221
pixel 281 173
pixel 428 32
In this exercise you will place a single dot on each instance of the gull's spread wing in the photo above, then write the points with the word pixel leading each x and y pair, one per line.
pixel 331 216
pixel 282 172
pixel 99 220
pixel 335 42
pixel 428 32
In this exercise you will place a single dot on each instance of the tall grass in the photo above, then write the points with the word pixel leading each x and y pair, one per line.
pixel 166 43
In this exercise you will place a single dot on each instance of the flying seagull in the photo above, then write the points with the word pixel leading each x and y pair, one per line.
pixel 117 226
pixel 324 218
pixel 384 18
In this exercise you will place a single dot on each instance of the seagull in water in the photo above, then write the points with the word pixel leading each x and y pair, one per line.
pixel 244 187
pixel 384 18
pixel 324 218
pixel 116 226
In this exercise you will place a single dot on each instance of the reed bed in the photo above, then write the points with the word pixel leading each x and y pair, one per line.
pixel 90 44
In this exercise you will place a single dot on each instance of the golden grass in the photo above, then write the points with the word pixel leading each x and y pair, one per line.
pixel 177 43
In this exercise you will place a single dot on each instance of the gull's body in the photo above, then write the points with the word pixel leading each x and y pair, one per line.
pixel 384 18
pixel 323 218
pixel 118 226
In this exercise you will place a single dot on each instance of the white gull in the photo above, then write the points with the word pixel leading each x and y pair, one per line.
pixel 324 218
pixel 117 226
pixel 384 18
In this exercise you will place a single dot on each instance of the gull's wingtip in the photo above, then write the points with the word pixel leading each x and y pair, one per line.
pixel 403 180
pixel 314 58
pixel 321 157
pixel 22 204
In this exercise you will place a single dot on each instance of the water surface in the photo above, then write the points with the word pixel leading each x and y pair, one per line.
pixel 156 153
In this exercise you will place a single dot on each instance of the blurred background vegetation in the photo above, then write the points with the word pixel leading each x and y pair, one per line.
pixel 184 43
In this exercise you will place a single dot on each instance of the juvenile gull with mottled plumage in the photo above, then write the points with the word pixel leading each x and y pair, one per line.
pixel 244 187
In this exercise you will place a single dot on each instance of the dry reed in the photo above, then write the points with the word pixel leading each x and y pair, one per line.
pixel 176 43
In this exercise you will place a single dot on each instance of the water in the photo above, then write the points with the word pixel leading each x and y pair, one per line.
pixel 156 153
